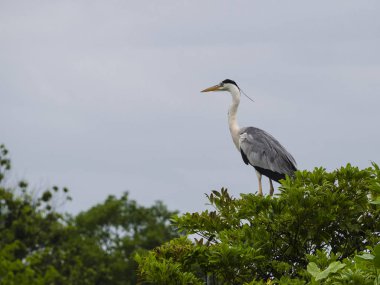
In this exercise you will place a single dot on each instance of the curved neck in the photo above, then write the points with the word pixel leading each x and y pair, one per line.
pixel 232 112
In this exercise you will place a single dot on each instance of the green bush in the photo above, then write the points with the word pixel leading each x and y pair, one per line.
pixel 320 228
pixel 39 245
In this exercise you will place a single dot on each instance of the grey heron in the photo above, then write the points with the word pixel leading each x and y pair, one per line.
pixel 257 147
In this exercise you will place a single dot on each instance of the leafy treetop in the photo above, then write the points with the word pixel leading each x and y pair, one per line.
pixel 254 239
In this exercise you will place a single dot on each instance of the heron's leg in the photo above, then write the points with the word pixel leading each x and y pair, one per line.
pixel 271 189
pixel 260 185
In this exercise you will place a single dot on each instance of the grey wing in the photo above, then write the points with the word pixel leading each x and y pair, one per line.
pixel 263 151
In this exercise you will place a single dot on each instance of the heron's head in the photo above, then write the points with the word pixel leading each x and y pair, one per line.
pixel 225 85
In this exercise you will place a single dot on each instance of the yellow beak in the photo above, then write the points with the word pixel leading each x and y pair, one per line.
pixel 212 88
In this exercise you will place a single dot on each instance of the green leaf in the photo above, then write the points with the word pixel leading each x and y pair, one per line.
pixel 366 256
pixel 313 269
pixel 333 267
pixel 376 202
pixel 376 260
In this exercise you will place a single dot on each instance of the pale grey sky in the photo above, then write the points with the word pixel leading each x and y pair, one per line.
pixel 103 96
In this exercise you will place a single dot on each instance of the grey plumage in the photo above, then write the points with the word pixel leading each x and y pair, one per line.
pixel 266 154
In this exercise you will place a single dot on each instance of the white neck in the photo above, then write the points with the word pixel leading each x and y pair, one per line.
pixel 232 120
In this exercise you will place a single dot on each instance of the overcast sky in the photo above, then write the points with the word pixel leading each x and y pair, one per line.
pixel 103 96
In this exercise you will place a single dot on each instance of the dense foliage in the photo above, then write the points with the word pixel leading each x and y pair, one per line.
pixel 39 245
pixel 322 228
